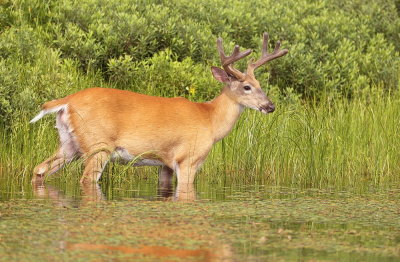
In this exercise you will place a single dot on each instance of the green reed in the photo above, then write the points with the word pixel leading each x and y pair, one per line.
pixel 338 143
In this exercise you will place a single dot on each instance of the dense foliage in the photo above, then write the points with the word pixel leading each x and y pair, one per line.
pixel 50 48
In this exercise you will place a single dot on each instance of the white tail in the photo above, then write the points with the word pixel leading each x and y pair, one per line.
pixel 100 124
pixel 47 111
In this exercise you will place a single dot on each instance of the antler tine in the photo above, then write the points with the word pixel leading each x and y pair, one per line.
pixel 227 61
pixel 220 48
pixel 265 56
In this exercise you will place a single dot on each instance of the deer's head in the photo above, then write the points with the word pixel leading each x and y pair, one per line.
pixel 244 87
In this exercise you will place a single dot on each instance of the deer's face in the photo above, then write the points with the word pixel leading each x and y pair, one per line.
pixel 246 92
pixel 249 94
pixel 244 87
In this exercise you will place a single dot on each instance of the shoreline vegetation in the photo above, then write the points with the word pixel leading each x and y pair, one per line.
pixel 337 91
pixel 349 144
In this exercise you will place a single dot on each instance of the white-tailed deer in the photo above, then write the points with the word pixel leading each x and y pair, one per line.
pixel 102 124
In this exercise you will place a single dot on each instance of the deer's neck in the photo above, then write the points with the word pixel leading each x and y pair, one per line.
pixel 224 114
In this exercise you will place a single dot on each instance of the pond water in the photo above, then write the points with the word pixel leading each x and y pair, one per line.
pixel 49 222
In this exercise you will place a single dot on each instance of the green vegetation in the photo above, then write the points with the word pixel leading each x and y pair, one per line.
pixel 340 144
pixel 337 91
pixel 344 144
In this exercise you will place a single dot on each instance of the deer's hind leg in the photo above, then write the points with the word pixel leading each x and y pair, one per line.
pixel 94 166
pixel 51 165
pixel 67 151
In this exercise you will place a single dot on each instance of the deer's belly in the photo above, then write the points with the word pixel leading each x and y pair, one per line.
pixel 122 155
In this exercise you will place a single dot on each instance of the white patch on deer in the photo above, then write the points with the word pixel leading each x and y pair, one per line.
pixel 68 142
pixel 123 156
pixel 148 162
pixel 47 111
pixel 177 169
pixel 41 171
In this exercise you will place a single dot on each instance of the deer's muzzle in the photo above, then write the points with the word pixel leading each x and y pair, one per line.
pixel 268 108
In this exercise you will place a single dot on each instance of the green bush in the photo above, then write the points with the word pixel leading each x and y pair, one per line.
pixel 32 73
pixel 51 48
pixel 163 75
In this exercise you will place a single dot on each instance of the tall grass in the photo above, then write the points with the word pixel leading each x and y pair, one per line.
pixel 340 143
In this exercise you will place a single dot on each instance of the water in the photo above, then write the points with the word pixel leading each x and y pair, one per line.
pixel 56 221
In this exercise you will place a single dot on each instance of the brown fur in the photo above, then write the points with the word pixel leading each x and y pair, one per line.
pixel 173 130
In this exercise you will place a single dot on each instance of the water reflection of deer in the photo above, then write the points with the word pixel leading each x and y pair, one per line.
pixel 92 193
pixel 184 192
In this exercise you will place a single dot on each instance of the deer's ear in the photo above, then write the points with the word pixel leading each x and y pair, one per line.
pixel 220 75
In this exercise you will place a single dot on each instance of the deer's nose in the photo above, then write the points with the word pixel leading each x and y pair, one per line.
pixel 270 108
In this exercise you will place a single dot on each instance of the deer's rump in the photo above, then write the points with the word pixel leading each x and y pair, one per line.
pixel 127 124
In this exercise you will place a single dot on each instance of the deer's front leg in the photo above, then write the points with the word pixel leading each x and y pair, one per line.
pixel 185 193
pixel 185 172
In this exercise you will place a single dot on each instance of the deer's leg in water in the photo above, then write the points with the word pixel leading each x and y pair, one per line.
pixel 94 165
pixel 165 177
pixel 51 165
pixel 67 151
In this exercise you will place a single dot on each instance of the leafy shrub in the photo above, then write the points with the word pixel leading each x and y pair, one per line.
pixel 163 75
pixel 32 73
pixel 51 48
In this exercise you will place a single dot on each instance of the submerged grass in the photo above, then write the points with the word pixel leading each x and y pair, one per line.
pixel 259 225
pixel 340 143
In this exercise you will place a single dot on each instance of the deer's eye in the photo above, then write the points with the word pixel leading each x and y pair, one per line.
pixel 247 88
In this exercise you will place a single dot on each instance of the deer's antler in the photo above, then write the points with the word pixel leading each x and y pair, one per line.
pixel 227 61
pixel 265 56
